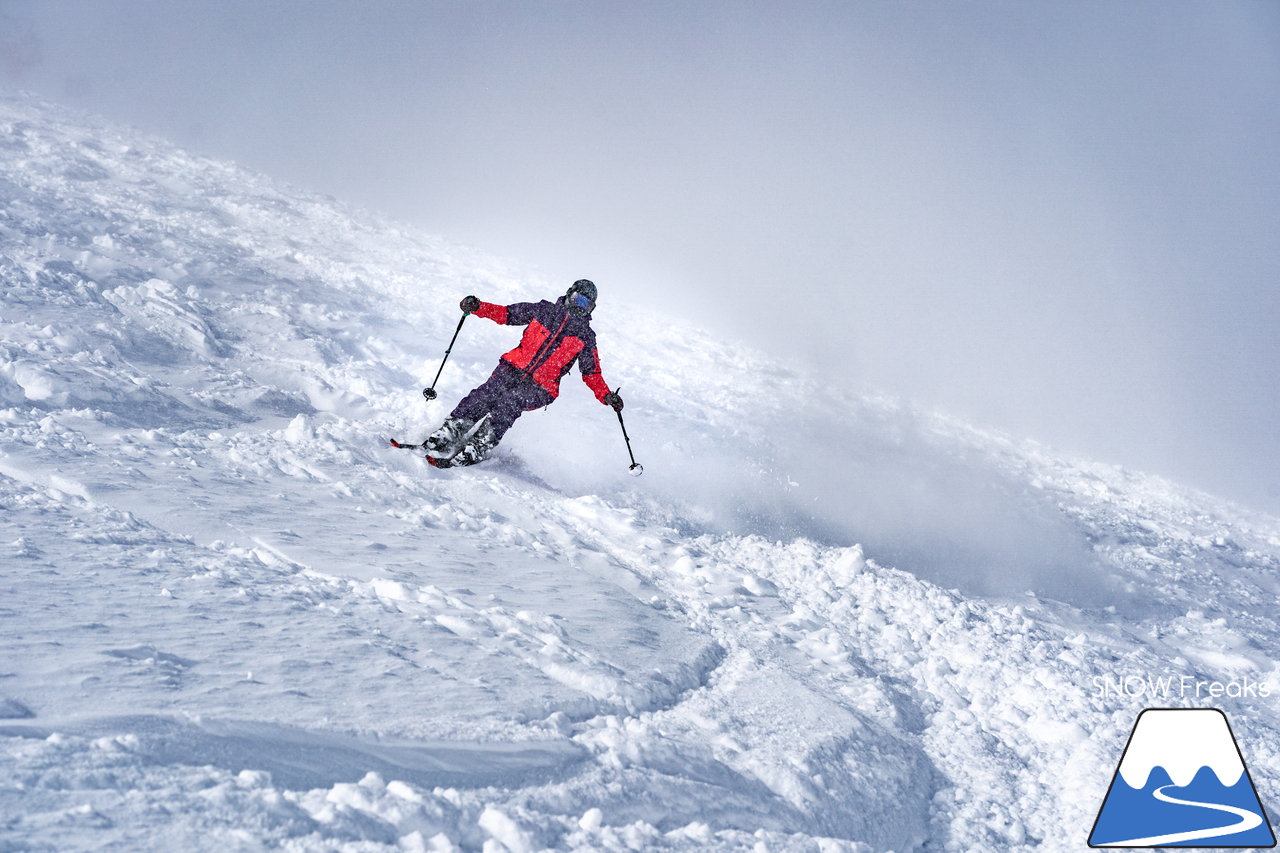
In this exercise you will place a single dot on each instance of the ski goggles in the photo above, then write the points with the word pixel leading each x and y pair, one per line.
pixel 579 300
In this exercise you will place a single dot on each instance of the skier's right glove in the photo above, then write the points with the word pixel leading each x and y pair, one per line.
pixel 469 305
pixel 612 399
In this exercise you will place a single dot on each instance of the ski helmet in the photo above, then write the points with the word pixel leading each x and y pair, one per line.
pixel 581 297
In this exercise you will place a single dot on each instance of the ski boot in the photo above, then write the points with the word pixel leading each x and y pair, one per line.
pixel 445 441
pixel 477 447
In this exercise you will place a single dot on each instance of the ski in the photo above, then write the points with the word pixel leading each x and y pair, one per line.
pixel 434 461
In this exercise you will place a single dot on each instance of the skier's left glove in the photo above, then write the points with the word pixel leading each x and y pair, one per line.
pixel 612 399
pixel 469 305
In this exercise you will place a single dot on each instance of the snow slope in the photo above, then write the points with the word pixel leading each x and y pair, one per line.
pixel 231 618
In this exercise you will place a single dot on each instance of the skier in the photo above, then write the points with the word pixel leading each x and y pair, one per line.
pixel 557 334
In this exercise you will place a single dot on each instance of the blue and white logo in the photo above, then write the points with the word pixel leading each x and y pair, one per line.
pixel 1182 782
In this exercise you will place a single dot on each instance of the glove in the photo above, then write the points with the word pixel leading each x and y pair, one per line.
pixel 612 399
pixel 469 305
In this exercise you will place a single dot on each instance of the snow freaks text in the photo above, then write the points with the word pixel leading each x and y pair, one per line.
pixel 1179 687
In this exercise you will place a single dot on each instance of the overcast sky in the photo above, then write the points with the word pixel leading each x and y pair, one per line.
pixel 1059 219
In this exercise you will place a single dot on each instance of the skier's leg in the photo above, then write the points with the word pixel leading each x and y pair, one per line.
pixel 479 402
pixel 520 398
pixel 490 432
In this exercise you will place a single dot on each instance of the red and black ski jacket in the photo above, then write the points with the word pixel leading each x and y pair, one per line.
pixel 554 339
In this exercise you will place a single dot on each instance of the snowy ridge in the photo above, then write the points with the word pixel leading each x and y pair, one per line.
pixel 234 619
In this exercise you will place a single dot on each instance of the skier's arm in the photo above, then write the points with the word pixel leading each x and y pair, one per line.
pixel 517 314
pixel 589 364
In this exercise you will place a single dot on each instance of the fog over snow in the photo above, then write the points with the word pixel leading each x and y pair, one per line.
pixel 1054 219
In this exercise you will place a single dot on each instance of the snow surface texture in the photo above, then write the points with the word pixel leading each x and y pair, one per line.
pixel 232 618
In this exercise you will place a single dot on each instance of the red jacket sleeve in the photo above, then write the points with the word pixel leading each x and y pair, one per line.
pixel 496 313
pixel 589 364
pixel 596 383
pixel 515 314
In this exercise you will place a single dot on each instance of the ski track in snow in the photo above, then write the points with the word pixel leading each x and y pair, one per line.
pixel 234 619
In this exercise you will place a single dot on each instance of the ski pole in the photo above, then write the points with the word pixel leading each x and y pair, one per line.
pixel 636 468
pixel 430 393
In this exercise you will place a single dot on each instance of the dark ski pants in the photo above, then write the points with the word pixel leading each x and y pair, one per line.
pixel 506 395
